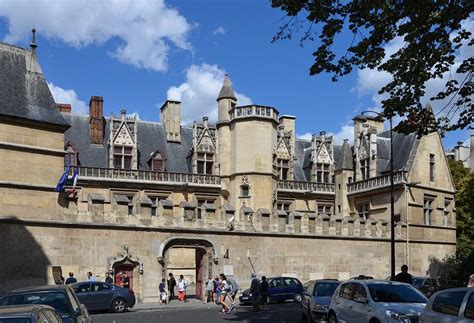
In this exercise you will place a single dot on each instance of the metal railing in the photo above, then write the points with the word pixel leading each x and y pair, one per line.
pixel 376 182
pixel 143 175
pixel 305 186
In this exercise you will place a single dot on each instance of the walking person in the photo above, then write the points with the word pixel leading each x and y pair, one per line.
pixel 255 292
pixel 171 286
pixel 71 279
pixel 90 277
pixel 108 279
pixel 234 288
pixel 182 288
pixel 225 289
pixel 470 283
pixel 210 290
pixel 264 293
pixel 217 290
pixel 162 290
pixel 404 276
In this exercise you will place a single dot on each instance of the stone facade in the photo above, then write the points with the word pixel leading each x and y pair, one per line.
pixel 240 196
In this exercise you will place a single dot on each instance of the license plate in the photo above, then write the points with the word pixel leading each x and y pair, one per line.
pixel 245 298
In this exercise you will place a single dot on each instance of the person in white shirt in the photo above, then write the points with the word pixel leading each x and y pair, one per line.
pixel 182 288
pixel 225 288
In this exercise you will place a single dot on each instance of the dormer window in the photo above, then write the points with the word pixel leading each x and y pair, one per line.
pixel 364 168
pixel 157 162
pixel 205 162
pixel 123 157
pixel 323 173
pixel 282 168
pixel 71 155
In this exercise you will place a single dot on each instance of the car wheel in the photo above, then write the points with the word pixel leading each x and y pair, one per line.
pixel 298 298
pixel 118 305
pixel 332 317
pixel 374 320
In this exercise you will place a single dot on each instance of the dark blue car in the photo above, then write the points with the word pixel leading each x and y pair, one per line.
pixel 101 296
pixel 280 289
pixel 316 298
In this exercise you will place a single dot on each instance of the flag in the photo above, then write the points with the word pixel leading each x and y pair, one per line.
pixel 62 181
pixel 74 181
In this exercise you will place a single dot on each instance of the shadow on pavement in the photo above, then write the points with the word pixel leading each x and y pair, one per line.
pixel 288 312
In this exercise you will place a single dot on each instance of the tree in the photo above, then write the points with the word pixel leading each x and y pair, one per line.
pixel 431 33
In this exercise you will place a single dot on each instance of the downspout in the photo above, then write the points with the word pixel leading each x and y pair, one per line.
pixel 407 250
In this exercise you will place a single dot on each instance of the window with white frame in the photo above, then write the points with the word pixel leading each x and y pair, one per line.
pixel 363 210
pixel 205 162
pixel 123 157
pixel 427 210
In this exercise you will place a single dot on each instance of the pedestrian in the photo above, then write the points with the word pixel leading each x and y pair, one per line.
pixel 108 279
pixel 182 288
pixel 234 288
pixel 90 277
pixel 217 290
pixel 225 289
pixel 210 290
pixel 404 276
pixel 61 280
pixel 255 292
pixel 71 279
pixel 171 286
pixel 470 283
pixel 163 294
pixel 125 280
pixel 264 293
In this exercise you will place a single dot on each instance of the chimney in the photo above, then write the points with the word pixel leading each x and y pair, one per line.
pixel 64 107
pixel 171 118
pixel 96 120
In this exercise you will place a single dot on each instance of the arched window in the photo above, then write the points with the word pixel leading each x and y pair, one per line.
pixel 157 162
pixel 71 155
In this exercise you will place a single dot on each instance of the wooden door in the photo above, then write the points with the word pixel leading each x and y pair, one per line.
pixel 118 278
pixel 200 274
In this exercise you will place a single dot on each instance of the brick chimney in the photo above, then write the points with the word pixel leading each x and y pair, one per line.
pixel 64 107
pixel 96 120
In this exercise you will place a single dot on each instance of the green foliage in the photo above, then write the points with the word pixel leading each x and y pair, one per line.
pixel 463 262
pixel 430 33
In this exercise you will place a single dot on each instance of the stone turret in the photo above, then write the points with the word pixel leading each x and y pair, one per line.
pixel 226 100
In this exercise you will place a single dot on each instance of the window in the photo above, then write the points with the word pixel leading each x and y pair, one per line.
pixel 364 211
pixel 339 208
pixel 427 210
pixel 157 163
pixel 469 311
pixel 205 161
pixel 156 200
pixel 364 168
pixel 282 206
pixel 245 190
pixel 446 211
pixel 282 168
pixel 324 209
pixel 322 173
pixel 83 288
pixel 130 205
pixel 432 167
pixel 449 302
pixel 360 295
pixel 347 291
pixel 99 287
pixel 123 157
pixel 71 155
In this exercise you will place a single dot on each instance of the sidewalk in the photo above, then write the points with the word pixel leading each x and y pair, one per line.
pixel 174 304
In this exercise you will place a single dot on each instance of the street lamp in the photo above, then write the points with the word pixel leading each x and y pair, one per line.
pixel 392 200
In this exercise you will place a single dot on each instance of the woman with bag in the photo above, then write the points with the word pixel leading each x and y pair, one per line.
pixel 182 288
pixel 225 288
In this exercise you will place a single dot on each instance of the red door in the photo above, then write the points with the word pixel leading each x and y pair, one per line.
pixel 118 278
pixel 199 273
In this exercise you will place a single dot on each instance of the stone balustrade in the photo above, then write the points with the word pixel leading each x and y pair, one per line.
pixel 305 186
pixel 95 173
pixel 254 111
pixel 376 182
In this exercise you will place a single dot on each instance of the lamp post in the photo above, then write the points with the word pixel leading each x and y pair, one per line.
pixel 392 199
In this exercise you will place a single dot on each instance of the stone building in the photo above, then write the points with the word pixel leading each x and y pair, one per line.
pixel 242 195
pixel 464 153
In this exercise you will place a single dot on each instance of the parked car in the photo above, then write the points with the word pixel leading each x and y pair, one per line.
pixel 376 301
pixel 426 285
pixel 280 289
pixel 101 296
pixel 450 305
pixel 29 314
pixel 60 297
pixel 316 298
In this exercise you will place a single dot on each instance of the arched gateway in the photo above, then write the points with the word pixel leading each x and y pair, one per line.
pixel 201 267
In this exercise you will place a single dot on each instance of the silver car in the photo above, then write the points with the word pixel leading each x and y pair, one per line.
pixel 450 305
pixel 376 301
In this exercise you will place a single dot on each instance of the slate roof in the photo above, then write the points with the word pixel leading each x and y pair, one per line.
pixel 402 147
pixel 226 91
pixel 24 92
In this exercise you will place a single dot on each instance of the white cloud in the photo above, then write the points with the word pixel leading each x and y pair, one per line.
pixel 219 31
pixel 346 132
pixel 145 29
pixel 199 92
pixel 305 136
pixel 61 95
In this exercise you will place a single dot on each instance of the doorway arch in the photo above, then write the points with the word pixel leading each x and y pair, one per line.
pixel 205 257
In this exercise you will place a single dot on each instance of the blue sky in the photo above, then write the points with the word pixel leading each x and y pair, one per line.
pixel 136 54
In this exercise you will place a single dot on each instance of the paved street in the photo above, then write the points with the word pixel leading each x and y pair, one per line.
pixel 198 312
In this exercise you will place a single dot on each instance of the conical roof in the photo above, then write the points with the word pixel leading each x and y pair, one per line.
pixel 226 91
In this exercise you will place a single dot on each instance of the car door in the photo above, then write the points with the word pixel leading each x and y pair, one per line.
pixel 276 289
pixel 100 295
pixel 307 297
pixel 359 306
pixel 289 288
pixel 82 291
pixel 343 301
pixel 445 307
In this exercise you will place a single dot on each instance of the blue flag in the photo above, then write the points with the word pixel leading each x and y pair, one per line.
pixel 62 181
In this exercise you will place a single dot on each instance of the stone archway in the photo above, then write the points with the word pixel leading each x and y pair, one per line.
pixel 205 256
pixel 129 264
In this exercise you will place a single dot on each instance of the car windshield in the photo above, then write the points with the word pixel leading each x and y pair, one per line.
pixel 325 289
pixel 389 293
pixel 14 320
pixel 418 282
pixel 57 300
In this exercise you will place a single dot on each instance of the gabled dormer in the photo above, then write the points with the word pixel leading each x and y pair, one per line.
pixel 123 147
pixel 322 158
pixel 204 150
pixel 283 154
pixel 157 161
